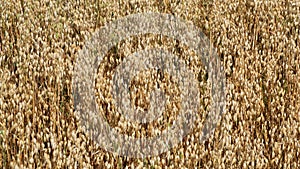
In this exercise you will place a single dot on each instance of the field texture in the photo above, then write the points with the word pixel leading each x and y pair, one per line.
pixel 258 43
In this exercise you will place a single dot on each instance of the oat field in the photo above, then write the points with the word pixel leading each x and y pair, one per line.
pixel 257 41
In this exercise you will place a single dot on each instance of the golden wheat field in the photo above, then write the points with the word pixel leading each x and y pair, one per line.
pixel 257 41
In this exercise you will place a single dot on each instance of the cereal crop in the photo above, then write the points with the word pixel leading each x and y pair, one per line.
pixel 257 41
